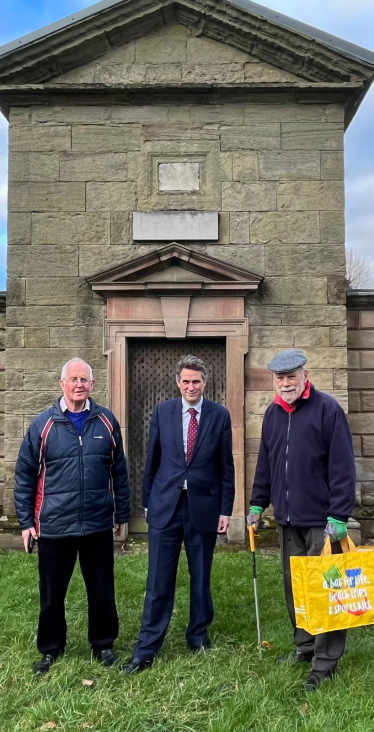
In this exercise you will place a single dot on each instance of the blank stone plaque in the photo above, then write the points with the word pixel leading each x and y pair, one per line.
pixel 179 177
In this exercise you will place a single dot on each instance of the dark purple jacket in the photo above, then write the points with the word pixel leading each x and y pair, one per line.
pixel 305 465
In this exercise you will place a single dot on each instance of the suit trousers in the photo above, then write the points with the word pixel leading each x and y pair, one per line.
pixel 164 546
pixel 327 648
pixel 57 558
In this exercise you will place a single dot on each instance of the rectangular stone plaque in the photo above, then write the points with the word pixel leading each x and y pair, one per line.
pixel 175 226
pixel 179 177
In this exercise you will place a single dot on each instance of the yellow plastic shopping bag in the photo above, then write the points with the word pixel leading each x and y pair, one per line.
pixel 334 591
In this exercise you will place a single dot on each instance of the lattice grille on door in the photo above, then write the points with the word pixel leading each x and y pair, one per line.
pixel 151 370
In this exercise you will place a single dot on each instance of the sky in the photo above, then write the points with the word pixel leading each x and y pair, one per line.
pixel 353 21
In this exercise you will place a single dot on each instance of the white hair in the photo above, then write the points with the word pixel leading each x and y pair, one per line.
pixel 72 360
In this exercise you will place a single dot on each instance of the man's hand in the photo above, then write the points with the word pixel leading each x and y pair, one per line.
pixel 335 530
pixel 223 524
pixel 254 517
pixel 118 528
pixel 25 536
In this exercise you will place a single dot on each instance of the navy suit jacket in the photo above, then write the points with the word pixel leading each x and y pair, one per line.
pixel 209 472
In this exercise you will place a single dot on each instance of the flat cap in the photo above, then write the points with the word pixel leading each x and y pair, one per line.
pixel 286 361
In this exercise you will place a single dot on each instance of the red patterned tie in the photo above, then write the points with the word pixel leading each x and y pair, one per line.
pixel 191 433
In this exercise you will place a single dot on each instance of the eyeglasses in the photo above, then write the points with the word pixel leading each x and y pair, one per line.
pixel 74 380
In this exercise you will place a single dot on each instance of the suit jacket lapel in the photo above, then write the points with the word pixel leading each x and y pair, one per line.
pixel 204 423
pixel 177 427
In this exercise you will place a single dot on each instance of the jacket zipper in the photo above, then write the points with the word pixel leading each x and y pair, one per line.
pixel 80 438
pixel 287 445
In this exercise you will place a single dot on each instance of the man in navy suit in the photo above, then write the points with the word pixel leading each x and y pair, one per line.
pixel 188 494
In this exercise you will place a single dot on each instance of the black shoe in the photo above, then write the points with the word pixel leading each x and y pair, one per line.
pixel 202 648
pixel 106 657
pixel 136 666
pixel 42 667
pixel 315 679
pixel 294 657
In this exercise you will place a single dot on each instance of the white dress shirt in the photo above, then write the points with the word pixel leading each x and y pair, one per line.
pixel 186 421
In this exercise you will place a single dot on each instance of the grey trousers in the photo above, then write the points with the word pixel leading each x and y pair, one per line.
pixel 327 648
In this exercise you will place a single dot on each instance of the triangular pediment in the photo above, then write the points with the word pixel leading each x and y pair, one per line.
pixel 174 269
pixel 105 28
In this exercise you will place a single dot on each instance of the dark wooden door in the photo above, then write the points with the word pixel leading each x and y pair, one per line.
pixel 151 370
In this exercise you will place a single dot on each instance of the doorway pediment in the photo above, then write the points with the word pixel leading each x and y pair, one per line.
pixel 174 270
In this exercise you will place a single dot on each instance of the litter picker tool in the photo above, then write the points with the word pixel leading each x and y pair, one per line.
pixel 261 644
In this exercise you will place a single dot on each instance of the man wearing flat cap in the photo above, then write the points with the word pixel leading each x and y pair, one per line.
pixel 306 469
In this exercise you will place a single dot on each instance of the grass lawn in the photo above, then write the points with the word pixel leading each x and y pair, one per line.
pixel 228 689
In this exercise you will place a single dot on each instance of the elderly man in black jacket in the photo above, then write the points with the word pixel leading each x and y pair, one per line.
pixel 71 484
pixel 306 469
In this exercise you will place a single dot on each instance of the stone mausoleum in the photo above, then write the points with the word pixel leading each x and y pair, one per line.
pixel 176 185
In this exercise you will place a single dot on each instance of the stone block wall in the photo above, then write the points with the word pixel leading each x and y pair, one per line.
pixel 271 166
pixel 361 402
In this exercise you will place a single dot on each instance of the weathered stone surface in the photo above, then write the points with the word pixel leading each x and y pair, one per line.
pixel 289 166
pixel 76 114
pixel 353 359
pixel 14 381
pixel 336 289
pixel 340 379
pixel 292 112
pixel 21 402
pixel 239 228
pixel 18 167
pixel 167 45
pixel 19 116
pixel 224 228
pixel 14 426
pixel 286 259
pixel 251 258
pixel 54 261
pixel 326 357
pixel 332 226
pixel 90 315
pixel 146 114
pixel 35 359
pixel 202 50
pixel 361 380
pixel 258 402
pixel 44 166
pixel 258 380
pixel 117 74
pixel 310 136
pixel 175 225
pixel 96 138
pixel 356 440
pixel 310 196
pixel 294 290
pixel 94 259
pixel 217 113
pixel 183 132
pixel 163 73
pixel 367 360
pixel 179 114
pixel 251 137
pixel 364 467
pixel 30 138
pixel 248 196
pixel 259 314
pixel 49 380
pixel 40 314
pixel 321 378
pixel 37 337
pixel 361 339
pixel 367 318
pixel 64 228
pixel 292 228
pixel 332 166
pixel 119 227
pixel 110 196
pixel 19 228
pixel 213 73
pixel 245 166
pixel 367 401
pixel 179 177
pixel 94 167
pixel 46 197
pixel 75 337
pixel 338 336
pixel 264 336
pixel 368 445
pixel 56 291
pixel 14 337
pixel 311 336
pixel 16 291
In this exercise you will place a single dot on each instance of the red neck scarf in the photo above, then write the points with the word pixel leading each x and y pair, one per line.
pixel 291 407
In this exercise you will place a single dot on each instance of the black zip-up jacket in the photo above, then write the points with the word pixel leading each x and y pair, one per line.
pixel 305 465
pixel 72 485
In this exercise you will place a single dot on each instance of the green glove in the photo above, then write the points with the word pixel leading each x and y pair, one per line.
pixel 254 516
pixel 335 530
